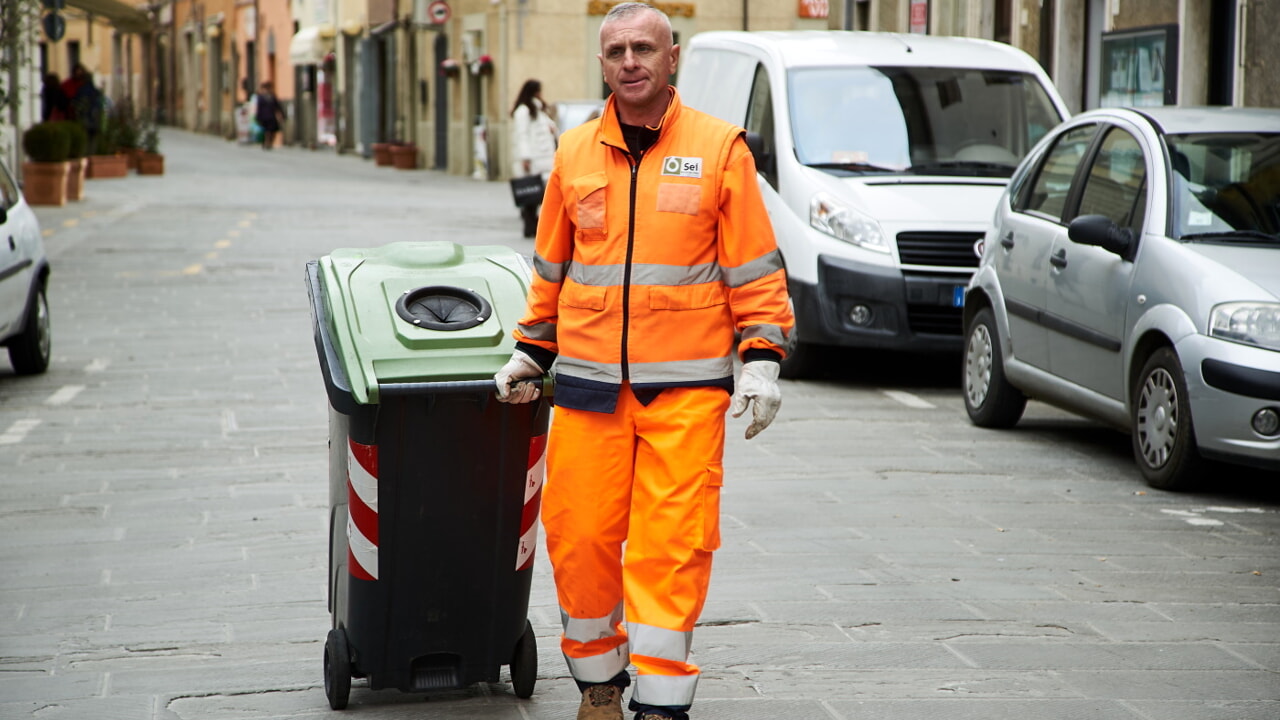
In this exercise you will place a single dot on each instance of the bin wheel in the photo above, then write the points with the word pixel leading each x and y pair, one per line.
pixel 337 669
pixel 524 663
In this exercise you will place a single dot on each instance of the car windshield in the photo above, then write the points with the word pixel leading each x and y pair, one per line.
pixel 917 120
pixel 1226 186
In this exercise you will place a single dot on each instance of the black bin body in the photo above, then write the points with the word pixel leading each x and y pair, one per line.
pixel 457 490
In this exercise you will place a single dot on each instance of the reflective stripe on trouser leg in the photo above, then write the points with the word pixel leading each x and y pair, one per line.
pixel 675 526
pixel 585 506
pixel 597 656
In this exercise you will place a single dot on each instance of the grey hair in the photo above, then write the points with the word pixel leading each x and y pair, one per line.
pixel 624 10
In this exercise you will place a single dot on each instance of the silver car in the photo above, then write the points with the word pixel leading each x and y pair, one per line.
pixel 24 276
pixel 1132 275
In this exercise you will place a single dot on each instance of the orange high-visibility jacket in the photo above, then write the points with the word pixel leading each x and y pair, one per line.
pixel 645 267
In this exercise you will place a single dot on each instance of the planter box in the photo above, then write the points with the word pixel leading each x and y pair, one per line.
pixel 150 164
pixel 76 171
pixel 382 154
pixel 404 157
pixel 45 183
pixel 108 166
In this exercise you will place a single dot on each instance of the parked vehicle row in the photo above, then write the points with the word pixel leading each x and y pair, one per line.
pixel 1131 273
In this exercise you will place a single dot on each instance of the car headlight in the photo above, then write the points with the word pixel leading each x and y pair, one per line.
pixel 1251 323
pixel 842 222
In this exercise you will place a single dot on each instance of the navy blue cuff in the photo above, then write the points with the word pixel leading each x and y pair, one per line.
pixel 761 354
pixel 544 357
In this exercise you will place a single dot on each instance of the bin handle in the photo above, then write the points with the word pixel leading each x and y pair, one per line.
pixel 450 387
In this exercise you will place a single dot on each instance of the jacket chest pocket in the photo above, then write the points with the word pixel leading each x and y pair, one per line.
pixel 686 297
pixel 586 297
pixel 590 205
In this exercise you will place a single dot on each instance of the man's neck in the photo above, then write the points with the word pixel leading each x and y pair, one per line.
pixel 645 117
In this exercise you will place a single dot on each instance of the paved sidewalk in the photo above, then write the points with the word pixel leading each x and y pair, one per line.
pixel 164 501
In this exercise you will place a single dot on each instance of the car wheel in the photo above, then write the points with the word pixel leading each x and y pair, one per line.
pixel 988 398
pixel 29 351
pixel 1163 439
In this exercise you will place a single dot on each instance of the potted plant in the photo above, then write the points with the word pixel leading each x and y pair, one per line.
pixel 450 68
pixel 128 135
pixel 47 145
pixel 106 160
pixel 150 161
pixel 404 155
pixel 382 154
pixel 77 158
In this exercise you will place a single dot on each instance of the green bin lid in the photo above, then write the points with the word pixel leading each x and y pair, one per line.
pixel 422 311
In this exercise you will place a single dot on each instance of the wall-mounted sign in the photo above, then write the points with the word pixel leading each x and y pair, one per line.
pixel 1140 67
pixel 920 16
pixel 812 9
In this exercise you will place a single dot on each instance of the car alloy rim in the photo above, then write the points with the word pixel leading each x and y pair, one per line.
pixel 977 365
pixel 1157 418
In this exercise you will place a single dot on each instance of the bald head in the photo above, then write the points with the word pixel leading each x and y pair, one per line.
pixel 629 10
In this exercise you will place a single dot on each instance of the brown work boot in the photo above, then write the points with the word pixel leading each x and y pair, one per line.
pixel 601 702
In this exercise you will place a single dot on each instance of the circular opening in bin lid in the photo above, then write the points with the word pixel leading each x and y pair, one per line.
pixel 440 307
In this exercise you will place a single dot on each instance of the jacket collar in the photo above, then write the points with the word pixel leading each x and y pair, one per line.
pixel 611 129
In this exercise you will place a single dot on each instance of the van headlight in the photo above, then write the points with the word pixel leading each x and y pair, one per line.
pixel 1251 323
pixel 842 222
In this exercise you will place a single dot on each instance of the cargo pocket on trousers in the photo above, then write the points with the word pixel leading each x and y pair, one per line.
pixel 709 538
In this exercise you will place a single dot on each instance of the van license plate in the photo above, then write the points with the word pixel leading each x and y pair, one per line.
pixel 957 296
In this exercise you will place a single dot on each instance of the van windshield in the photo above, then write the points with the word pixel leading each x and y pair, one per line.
pixel 917 120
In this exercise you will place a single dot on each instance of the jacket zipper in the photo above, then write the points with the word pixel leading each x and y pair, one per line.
pixel 626 268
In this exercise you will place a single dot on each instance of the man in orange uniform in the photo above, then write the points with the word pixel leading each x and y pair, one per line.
pixel 653 251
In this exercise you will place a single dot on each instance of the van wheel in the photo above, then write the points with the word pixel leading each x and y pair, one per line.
pixel 988 397
pixel 1164 442
pixel 801 361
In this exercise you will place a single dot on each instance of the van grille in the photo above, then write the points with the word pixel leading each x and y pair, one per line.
pixel 941 249
pixel 935 319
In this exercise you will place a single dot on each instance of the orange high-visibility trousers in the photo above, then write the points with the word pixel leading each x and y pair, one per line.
pixel 649 477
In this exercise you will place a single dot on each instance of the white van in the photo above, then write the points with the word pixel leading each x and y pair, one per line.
pixel 881 158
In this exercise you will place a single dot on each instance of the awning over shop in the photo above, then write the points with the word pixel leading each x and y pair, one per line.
pixel 310 44
pixel 123 14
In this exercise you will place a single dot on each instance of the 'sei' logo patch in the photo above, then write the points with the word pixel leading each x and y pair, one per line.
pixel 682 167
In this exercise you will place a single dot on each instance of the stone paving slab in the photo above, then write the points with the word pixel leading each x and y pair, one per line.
pixel 163 524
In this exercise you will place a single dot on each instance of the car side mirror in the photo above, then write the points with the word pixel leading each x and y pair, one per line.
pixel 765 161
pixel 1099 231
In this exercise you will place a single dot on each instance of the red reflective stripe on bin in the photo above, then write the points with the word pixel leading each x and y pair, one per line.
pixel 532 501
pixel 362 510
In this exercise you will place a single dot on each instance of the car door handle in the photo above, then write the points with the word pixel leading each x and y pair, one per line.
pixel 1059 258
pixel 1006 242
pixel 13 244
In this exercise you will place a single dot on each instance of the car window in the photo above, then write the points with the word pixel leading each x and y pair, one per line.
pixel 760 115
pixel 1225 183
pixel 8 190
pixel 1048 195
pixel 1116 185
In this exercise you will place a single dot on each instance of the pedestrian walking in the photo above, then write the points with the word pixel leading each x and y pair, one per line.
pixel 88 105
pixel 270 114
pixel 54 104
pixel 533 143
pixel 653 253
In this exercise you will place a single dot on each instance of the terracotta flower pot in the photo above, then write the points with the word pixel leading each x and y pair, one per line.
pixel 108 166
pixel 45 183
pixel 150 164
pixel 404 157
pixel 77 168
pixel 382 154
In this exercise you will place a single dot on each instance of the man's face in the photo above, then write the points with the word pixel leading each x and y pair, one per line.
pixel 637 57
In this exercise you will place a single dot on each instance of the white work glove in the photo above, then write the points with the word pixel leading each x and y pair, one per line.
pixel 759 382
pixel 519 367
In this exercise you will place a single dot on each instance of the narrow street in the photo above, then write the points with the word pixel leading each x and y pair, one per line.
pixel 164 502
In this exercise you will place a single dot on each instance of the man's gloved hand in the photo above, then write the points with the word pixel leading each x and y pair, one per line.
pixel 758 381
pixel 519 367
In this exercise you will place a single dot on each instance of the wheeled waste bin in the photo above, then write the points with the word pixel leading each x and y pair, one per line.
pixel 434 485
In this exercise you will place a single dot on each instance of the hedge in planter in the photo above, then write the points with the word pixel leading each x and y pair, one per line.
pixel 47 146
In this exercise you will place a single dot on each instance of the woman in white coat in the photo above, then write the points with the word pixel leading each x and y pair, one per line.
pixel 533 144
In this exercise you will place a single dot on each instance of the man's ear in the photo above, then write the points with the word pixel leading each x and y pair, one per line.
pixel 675 58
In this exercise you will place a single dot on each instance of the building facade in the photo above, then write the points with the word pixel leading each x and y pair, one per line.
pixel 442 74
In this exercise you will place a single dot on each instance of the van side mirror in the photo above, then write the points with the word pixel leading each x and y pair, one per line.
pixel 765 161
pixel 1099 231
